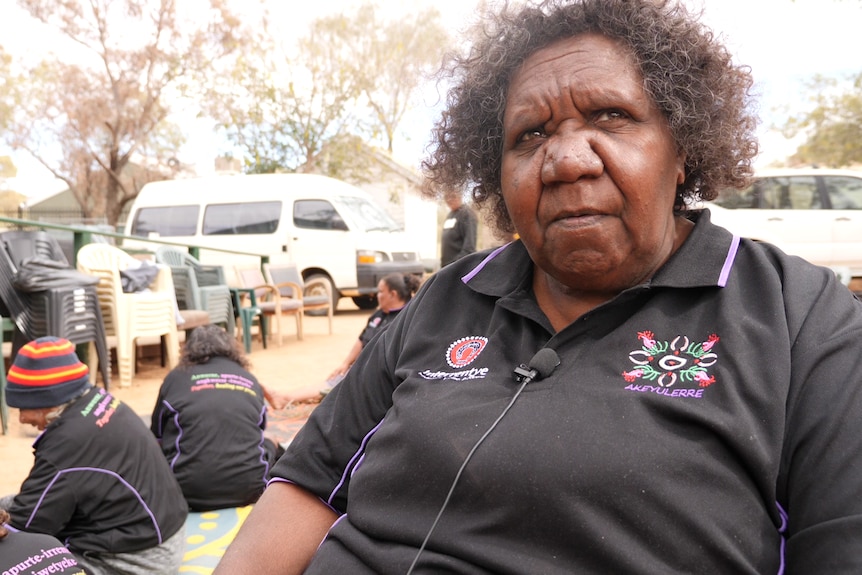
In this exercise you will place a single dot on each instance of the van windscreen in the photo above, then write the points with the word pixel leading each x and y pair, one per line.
pixel 368 216
pixel 241 219
pixel 167 221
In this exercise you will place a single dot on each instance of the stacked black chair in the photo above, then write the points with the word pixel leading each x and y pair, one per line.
pixel 68 311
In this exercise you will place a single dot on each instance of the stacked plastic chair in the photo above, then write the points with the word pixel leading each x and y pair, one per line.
pixel 199 287
pixel 129 316
pixel 4 409
pixel 71 312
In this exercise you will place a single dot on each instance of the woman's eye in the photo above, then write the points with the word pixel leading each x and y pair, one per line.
pixel 610 115
pixel 532 134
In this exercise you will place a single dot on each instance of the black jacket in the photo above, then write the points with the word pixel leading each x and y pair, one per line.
pixel 100 482
pixel 210 420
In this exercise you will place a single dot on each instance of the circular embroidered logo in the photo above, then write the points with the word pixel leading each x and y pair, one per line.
pixel 463 351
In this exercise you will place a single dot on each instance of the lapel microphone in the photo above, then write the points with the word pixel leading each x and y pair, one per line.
pixel 541 366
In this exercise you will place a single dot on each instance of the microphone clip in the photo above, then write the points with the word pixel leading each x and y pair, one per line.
pixel 523 372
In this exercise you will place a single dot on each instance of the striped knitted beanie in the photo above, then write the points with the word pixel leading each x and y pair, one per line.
pixel 46 373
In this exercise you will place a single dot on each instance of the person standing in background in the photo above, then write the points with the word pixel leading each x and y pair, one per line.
pixel 459 230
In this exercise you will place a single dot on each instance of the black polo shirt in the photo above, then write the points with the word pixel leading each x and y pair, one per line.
pixel 707 421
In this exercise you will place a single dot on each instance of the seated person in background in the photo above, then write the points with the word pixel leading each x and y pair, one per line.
pixel 210 418
pixel 99 482
pixel 393 293
pixel 22 553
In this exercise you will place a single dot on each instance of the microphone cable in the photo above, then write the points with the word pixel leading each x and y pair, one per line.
pixel 461 471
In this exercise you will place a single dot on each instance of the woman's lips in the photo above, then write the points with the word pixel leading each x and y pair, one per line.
pixel 578 220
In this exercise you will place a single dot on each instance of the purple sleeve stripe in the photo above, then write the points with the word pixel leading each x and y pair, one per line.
pixel 97 470
pixel 728 261
pixel 482 264
pixel 783 530
pixel 261 423
pixel 179 432
pixel 356 456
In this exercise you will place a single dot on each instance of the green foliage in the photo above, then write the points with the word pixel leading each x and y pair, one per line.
pixel 104 101
pixel 348 84
pixel 833 125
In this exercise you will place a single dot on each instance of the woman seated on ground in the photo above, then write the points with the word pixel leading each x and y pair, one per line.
pixel 99 483
pixel 210 418
pixel 22 552
pixel 393 293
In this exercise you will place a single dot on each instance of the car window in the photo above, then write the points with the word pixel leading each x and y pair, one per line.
pixel 166 221
pixel 737 199
pixel 241 219
pixel 845 193
pixel 317 215
pixel 789 193
pixel 775 193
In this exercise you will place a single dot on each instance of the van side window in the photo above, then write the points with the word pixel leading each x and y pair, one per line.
pixel 241 219
pixel 738 199
pixel 317 215
pixel 166 221
pixel 844 193
pixel 804 194
pixel 789 193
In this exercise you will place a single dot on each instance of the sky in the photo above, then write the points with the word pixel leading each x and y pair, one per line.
pixel 784 41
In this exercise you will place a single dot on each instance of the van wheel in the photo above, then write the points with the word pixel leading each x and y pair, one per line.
pixel 318 290
pixel 365 301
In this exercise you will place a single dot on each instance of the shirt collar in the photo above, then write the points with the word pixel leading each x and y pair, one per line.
pixel 705 259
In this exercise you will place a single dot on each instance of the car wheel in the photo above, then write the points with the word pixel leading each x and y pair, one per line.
pixel 318 290
pixel 365 301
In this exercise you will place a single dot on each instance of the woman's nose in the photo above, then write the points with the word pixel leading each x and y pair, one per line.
pixel 570 154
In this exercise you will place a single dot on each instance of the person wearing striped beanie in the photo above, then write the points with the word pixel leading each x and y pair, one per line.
pixel 46 374
pixel 99 482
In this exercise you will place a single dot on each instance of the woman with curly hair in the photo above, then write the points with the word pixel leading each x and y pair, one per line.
pixel 210 418
pixel 627 388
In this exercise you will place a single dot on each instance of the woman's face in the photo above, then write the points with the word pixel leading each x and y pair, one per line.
pixel 386 298
pixel 590 168
pixel 38 418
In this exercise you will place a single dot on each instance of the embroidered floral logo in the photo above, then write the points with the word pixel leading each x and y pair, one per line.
pixel 668 363
pixel 464 351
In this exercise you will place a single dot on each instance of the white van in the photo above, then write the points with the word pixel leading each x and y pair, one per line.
pixel 814 213
pixel 328 228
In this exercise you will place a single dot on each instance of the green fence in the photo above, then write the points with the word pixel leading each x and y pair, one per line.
pixel 83 235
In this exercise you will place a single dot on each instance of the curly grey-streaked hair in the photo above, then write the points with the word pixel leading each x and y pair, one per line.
pixel 209 341
pixel 688 72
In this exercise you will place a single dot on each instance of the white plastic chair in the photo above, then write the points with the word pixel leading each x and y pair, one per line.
pixel 129 316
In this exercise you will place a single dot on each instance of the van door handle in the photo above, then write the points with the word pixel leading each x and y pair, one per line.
pixel 842 219
pixel 775 219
